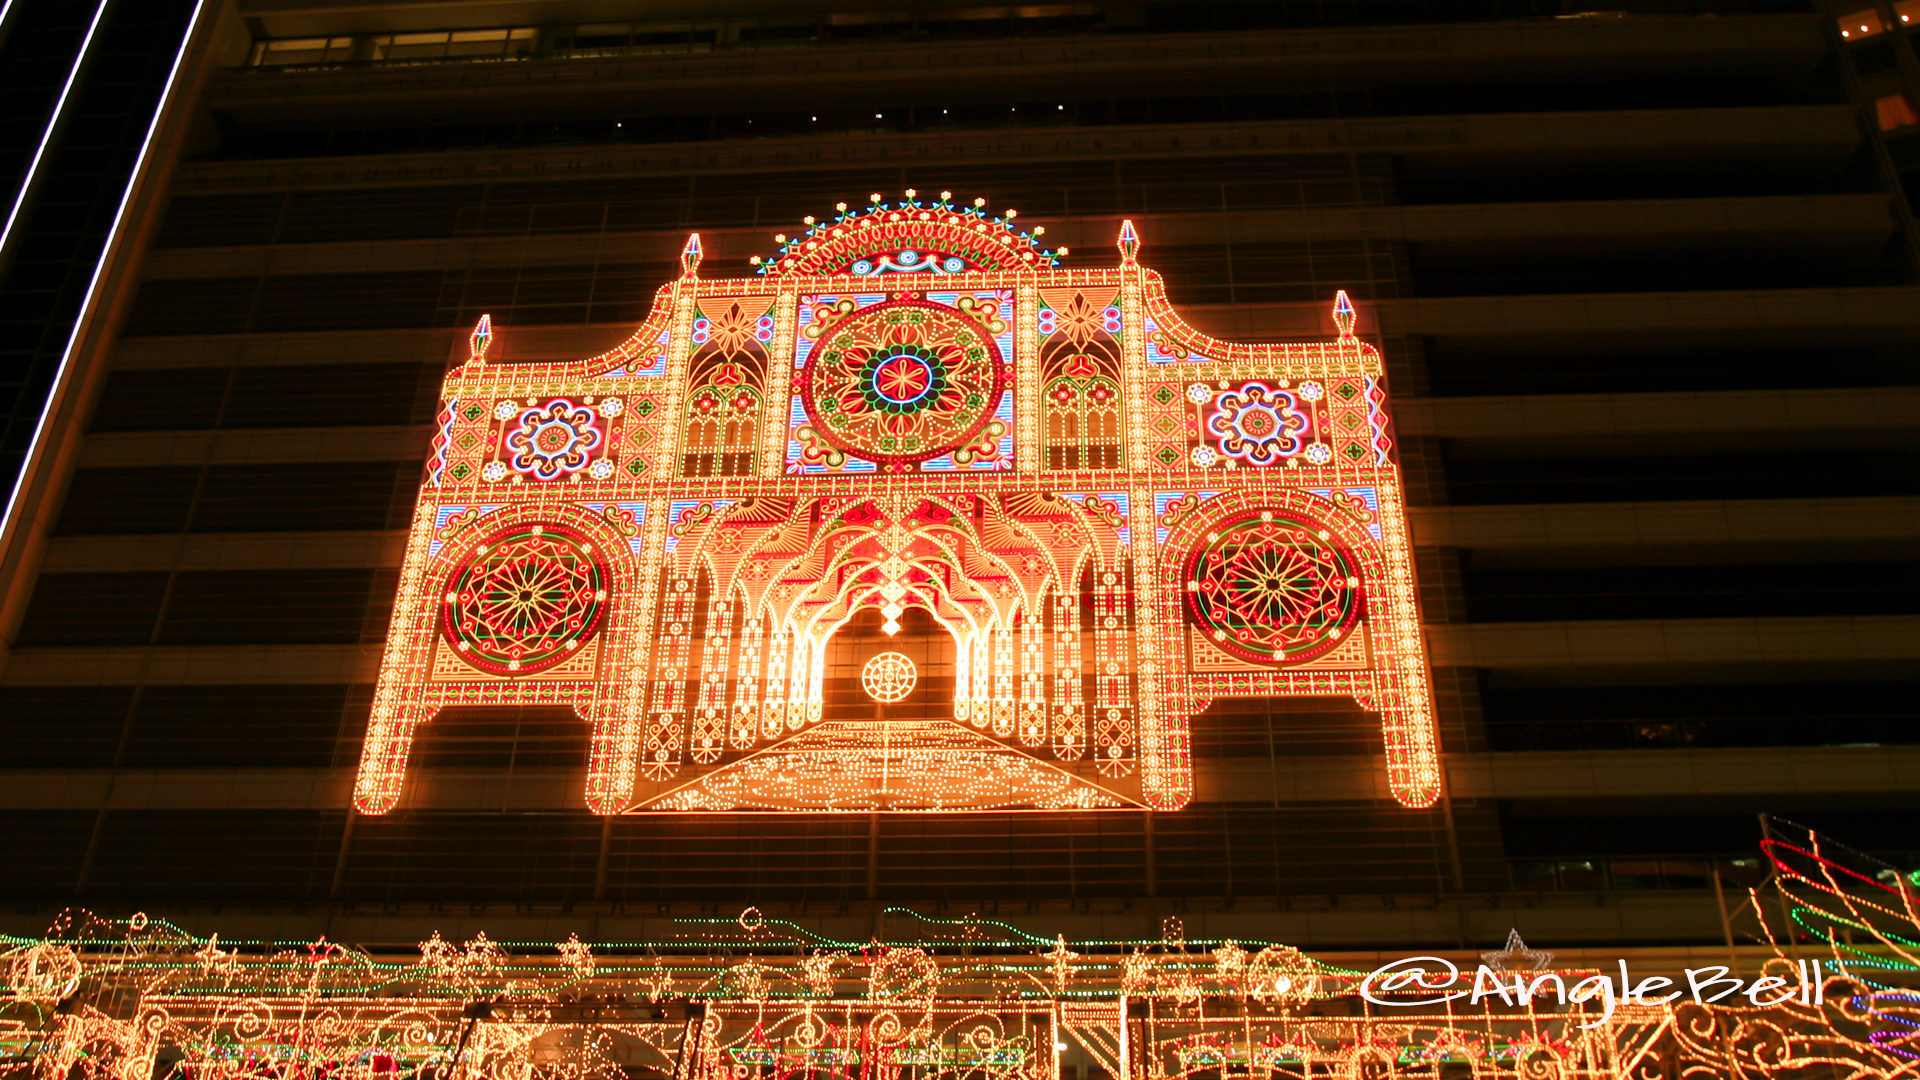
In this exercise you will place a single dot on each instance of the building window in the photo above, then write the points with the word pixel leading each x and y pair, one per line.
pixel 386 48
pixel 1861 24
pixel 1895 112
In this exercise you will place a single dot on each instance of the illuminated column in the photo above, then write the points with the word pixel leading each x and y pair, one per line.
pixel 1033 679
pixel 797 681
pixel 710 713
pixel 666 730
pixel 1112 682
pixel 383 756
pixel 1003 676
pixel 746 694
pixel 1027 407
pixel 1403 693
pixel 816 698
pixel 618 713
pixel 673 387
pixel 982 676
pixel 774 426
pixel 1069 709
pixel 399 702
pixel 1166 753
pixel 963 678
pixel 773 715
pixel 1133 354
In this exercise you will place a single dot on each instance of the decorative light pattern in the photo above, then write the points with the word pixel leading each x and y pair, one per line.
pixel 1112 519
pixel 1271 588
pixel 527 599
pixel 888 677
pixel 973 998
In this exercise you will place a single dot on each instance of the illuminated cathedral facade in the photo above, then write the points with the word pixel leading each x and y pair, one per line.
pixel 913 415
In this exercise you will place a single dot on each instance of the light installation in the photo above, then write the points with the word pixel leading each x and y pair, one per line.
pixel 1112 519
pixel 888 677
pixel 970 998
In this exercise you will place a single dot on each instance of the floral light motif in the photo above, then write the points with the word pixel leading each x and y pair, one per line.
pixel 554 440
pixel 1257 424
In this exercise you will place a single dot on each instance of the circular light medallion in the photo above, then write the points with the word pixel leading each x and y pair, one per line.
pixel 888 677
pixel 525 599
pixel 903 382
pixel 1273 588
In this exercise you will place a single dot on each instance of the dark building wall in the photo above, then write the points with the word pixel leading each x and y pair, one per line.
pixel 1646 291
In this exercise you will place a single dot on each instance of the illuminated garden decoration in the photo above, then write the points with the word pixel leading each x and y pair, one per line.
pixel 1111 519
pixel 978 998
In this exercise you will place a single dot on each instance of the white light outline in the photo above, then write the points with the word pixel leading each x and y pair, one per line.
pixel 36 451
pixel 53 120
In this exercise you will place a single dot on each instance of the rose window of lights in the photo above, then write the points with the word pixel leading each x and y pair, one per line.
pixel 888 677
pixel 1273 589
pixel 525 600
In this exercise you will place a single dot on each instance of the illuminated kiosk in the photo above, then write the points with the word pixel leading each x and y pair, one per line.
pixel 1111 519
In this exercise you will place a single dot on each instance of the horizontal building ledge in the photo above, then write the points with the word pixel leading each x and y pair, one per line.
pixel 1774 226
pixel 1175 62
pixel 1589 418
pixel 1637 533
pixel 1780 645
pixel 1539 326
pixel 186 665
pixel 226 551
pixel 1613 774
pixel 1593 418
pixel 1594 323
pixel 439 345
pixel 255 446
pixel 1812 137
pixel 1610 923
pixel 1800 770
pixel 1623 531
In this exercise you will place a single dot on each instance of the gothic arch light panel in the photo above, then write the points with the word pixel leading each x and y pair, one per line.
pixel 1110 519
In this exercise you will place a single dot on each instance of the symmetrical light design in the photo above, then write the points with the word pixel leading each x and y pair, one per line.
pixel 1111 518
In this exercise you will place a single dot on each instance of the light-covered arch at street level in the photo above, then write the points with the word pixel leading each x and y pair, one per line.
pixel 1116 520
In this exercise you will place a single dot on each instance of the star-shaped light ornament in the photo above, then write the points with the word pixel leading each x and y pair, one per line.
pixel 1516 956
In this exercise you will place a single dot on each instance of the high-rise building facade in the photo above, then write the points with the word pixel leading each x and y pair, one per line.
pixel 1640 286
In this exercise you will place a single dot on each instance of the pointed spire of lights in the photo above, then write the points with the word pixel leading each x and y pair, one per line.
pixel 690 255
pixel 481 339
pixel 1343 314
pixel 1129 243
